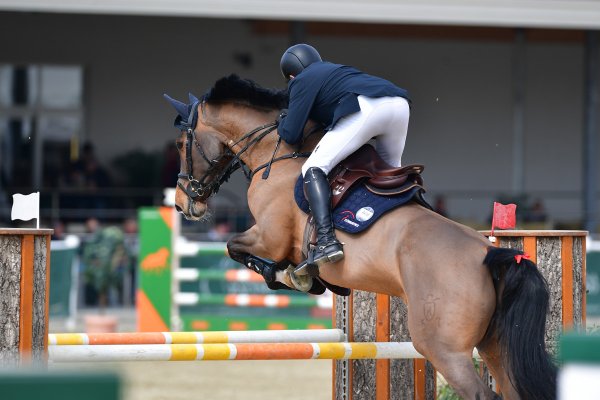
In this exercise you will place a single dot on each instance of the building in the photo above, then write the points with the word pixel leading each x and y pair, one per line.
pixel 505 93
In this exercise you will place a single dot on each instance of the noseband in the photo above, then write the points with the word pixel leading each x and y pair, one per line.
pixel 221 168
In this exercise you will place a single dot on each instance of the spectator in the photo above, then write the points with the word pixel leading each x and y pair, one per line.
pixel 85 179
pixel 106 261
pixel 92 226
pixel 170 167
pixel 221 231
pixel 59 230
pixel 536 213
pixel 130 228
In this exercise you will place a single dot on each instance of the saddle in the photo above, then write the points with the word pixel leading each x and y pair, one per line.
pixel 380 178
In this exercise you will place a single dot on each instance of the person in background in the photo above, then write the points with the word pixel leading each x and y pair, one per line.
pixel 59 230
pixel 170 167
pixel 536 213
pixel 132 248
pixel 92 226
pixel 221 231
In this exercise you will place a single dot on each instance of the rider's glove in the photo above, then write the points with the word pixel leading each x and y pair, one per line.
pixel 281 116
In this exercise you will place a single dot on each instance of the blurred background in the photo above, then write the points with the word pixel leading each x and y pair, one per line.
pixel 505 103
pixel 505 108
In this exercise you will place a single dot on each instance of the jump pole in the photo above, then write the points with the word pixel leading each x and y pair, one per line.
pixel 148 338
pixel 24 288
pixel 233 351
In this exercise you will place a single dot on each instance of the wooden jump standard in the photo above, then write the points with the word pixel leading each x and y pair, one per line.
pixel 24 288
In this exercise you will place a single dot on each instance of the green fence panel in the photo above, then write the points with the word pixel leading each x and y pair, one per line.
pixel 59 386
pixel 593 283
pixel 61 281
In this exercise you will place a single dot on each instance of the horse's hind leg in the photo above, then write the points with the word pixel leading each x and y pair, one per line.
pixel 446 334
pixel 491 356
pixel 459 372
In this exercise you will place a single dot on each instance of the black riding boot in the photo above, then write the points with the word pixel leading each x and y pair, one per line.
pixel 318 194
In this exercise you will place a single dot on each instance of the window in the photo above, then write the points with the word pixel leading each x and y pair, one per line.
pixel 41 123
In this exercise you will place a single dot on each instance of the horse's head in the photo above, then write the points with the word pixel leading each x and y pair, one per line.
pixel 218 134
pixel 205 160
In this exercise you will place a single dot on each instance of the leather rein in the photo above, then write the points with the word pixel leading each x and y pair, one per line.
pixel 221 167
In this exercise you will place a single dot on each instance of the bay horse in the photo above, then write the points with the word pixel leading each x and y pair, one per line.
pixel 483 297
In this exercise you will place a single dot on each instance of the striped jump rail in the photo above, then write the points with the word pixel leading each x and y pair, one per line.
pixel 231 351
pixel 231 275
pixel 155 338
pixel 252 300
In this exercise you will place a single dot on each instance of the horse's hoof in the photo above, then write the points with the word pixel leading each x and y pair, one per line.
pixel 304 268
pixel 302 283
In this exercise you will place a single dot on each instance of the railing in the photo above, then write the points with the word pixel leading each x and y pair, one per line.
pixel 114 205
pixel 472 207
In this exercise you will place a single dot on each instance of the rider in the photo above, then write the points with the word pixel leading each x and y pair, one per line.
pixel 354 107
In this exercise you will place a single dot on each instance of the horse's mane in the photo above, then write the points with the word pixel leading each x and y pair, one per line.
pixel 234 88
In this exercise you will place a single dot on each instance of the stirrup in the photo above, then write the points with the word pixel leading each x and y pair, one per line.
pixel 326 257
pixel 304 268
pixel 311 266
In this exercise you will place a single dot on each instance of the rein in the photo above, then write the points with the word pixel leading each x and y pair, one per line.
pixel 199 189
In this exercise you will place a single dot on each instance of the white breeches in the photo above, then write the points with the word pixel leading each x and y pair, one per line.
pixel 383 118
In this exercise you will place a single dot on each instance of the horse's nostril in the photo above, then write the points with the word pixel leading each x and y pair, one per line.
pixel 178 208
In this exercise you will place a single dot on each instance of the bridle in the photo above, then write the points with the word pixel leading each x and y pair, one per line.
pixel 221 167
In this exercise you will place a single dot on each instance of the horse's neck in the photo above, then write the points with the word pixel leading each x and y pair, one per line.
pixel 235 121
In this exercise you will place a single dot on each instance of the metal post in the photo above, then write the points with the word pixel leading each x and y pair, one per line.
pixel 590 131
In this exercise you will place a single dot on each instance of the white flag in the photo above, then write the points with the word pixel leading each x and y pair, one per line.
pixel 26 207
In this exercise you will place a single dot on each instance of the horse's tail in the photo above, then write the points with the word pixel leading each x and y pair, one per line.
pixel 519 323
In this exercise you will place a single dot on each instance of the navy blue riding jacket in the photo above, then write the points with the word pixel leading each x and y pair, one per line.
pixel 326 92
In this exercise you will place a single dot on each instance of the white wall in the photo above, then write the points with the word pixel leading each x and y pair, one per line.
pixel 461 123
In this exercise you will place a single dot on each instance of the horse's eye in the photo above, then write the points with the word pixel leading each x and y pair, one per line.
pixel 179 145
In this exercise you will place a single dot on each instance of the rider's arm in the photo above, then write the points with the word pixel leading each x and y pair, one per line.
pixel 291 127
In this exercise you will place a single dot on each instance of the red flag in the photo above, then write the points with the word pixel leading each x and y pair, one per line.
pixel 504 216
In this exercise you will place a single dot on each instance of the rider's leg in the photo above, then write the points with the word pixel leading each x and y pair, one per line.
pixel 390 142
pixel 328 248
pixel 377 117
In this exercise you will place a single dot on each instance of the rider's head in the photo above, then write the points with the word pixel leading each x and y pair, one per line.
pixel 296 58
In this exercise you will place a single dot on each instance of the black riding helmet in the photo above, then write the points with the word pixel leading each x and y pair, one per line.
pixel 296 58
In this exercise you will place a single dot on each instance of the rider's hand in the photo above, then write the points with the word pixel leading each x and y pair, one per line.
pixel 281 116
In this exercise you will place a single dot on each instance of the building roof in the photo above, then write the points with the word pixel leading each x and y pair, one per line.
pixel 568 14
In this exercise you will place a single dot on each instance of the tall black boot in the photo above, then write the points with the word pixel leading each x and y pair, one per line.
pixel 318 194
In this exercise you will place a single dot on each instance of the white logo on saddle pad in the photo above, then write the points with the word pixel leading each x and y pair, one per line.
pixel 364 214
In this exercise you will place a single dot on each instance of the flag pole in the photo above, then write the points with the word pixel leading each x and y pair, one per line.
pixel 37 220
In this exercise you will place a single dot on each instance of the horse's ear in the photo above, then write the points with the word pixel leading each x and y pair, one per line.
pixel 193 99
pixel 181 108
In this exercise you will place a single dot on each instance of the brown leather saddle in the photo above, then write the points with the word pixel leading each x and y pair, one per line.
pixel 379 177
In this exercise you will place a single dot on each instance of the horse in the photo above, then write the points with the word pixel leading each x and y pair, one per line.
pixel 461 293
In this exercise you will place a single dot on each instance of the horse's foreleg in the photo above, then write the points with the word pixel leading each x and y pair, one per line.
pixel 243 248
pixel 246 247
pixel 259 242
